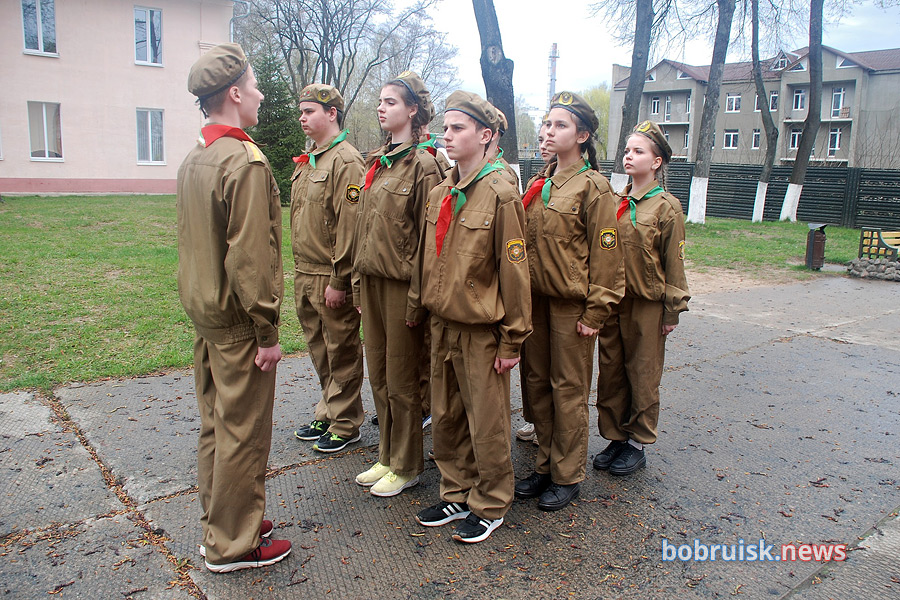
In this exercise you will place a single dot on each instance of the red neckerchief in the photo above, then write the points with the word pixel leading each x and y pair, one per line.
pixel 211 133
pixel 533 191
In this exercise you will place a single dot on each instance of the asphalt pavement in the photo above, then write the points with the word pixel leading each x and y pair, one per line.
pixel 779 425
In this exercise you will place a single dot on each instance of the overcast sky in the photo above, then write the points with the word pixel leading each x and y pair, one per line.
pixel 587 49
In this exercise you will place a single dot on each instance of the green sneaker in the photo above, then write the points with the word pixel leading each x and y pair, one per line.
pixel 313 431
pixel 332 442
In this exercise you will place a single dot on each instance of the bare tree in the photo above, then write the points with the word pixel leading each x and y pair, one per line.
pixel 497 72
pixel 813 116
pixel 768 122
pixel 706 138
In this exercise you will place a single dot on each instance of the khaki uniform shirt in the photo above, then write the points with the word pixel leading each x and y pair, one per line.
pixel 230 277
pixel 573 243
pixel 323 212
pixel 390 219
pixel 654 251
pixel 509 174
pixel 481 275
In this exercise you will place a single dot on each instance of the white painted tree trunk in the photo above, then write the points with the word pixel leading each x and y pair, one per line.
pixel 518 171
pixel 791 201
pixel 759 204
pixel 618 181
pixel 697 202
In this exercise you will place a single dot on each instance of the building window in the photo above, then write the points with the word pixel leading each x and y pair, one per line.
pixel 687 138
pixel 757 134
pixel 44 131
pixel 773 101
pixel 687 104
pixel 150 136
pixel 837 101
pixel 654 105
pixel 795 138
pixel 756 104
pixel 39 26
pixel 799 99
pixel 733 103
pixel 147 36
pixel 668 114
pixel 731 139
pixel 834 141
pixel 782 63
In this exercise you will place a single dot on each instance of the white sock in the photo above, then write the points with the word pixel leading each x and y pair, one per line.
pixel 637 445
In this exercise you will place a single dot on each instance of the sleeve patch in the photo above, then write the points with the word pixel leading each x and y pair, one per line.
pixel 681 249
pixel 352 194
pixel 515 250
pixel 608 239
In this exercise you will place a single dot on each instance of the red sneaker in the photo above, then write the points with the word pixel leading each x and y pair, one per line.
pixel 269 552
pixel 265 530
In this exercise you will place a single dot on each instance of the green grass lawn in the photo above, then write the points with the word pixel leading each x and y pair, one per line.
pixel 88 289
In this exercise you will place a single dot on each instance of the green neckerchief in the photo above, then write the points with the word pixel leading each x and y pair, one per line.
pixel 499 160
pixel 545 191
pixel 429 143
pixel 340 138
pixel 388 161
pixel 632 206
pixel 461 195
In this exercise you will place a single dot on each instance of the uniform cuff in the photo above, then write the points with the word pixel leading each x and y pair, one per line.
pixel 670 318
pixel 340 284
pixel 508 350
pixel 267 337
pixel 416 315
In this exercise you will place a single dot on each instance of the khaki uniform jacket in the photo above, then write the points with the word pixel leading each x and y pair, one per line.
pixel 323 213
pixel 573 243
pixel 390 219
pixel 230 277
pixel 481 275
pixel 509 174
pixel 654 251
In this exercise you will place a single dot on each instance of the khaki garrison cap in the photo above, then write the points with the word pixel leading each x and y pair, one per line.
pixel 579 107
pixel 475 106
pixel 656 135
pixel 412 82
pixel 324 94
pixel 217 70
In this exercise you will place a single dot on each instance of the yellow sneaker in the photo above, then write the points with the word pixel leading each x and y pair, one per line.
pixel 392 484
pixel 371 477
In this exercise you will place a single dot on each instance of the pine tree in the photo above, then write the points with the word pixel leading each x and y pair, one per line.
pixel 278 132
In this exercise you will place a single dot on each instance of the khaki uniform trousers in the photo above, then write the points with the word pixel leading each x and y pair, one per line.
pixel 557 365
pixel 332 336
pixel 393 352
pixel 425 368
pixel 632 353
pixel 235 400
pixel 471 422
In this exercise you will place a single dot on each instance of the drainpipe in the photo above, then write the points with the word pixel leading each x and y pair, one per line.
pixel 246 6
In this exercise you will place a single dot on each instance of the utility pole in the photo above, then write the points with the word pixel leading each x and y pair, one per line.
pixel 554 55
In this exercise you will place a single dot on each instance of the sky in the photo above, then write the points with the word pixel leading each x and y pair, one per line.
pixel 587 48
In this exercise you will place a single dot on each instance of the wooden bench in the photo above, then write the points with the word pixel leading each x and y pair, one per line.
pixel 875 243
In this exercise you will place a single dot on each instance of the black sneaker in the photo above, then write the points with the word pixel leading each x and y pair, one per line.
pixel 442 513
pixel 313 431
pixel 558 496
pixel 332 442
pixel 474 529
pixel 630 460
pixel 609 454
pixel 533 485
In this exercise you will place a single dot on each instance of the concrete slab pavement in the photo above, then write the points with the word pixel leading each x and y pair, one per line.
pixel 780 422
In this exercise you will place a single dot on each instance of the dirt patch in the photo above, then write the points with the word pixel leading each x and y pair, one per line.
pixel 705 280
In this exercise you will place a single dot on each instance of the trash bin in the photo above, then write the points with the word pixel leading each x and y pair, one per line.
pixel 815 246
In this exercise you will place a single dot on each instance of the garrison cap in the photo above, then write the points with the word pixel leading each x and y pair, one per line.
pixel 656 135
pixel 579 107
pixel 324 94
pixel 504 124
pixel 414 84
pixel 475 106
pixel 217 70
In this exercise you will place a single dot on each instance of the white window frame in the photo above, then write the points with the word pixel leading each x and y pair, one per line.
pixel 755 140
pixel 43 125
pixel 148 19
pixel 687 138
pixel 782 63
pixel 834 141
pixel 654 105
pixel 730 140
pixel 799 99
pixel 773 101
pixel 687 104
pixel 667 115
pixel 149 124
pixel 838 94
pixel 796 134
pixel 732 103
pixel 39 24
pixel 756 104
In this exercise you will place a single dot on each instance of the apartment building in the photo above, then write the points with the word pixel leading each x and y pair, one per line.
pixel 95 93
pixel 860 104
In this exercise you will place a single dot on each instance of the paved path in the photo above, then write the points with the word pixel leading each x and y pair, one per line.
pixel 780 422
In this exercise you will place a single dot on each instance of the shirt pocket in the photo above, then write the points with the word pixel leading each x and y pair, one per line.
pixel 561 217
pixel 394 215
pixel 431 218
pixel 643 233
pixel 475 231
pixel 317 186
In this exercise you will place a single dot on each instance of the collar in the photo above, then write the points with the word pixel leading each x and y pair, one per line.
pixel 214 131
pixel 560 178
pixel 643 192
pixel 454 174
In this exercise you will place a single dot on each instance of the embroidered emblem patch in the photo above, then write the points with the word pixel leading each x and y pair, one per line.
pixel 608 239
pixel 352 194
pixel 515 250
pixel 324 96
pixel 681 249
pixel 566 98
pixel 404 74
pixel 644 127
